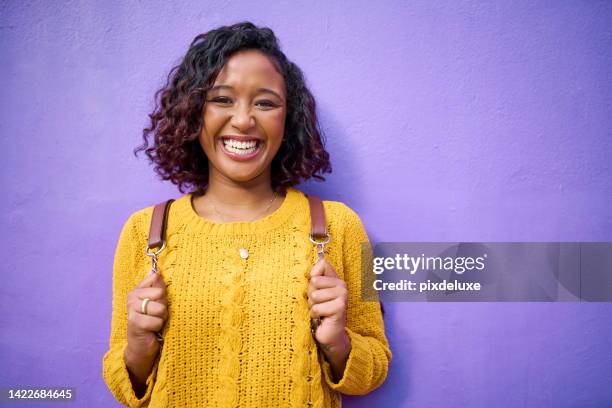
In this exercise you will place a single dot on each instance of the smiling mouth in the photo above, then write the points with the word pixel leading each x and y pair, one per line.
pixel 241 149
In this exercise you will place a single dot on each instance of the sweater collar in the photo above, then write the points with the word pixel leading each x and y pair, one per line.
pixel 183 207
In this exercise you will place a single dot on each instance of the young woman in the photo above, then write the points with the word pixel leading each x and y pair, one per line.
pixel 239 279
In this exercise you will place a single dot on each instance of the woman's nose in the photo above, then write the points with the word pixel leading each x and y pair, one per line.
pixel 242 119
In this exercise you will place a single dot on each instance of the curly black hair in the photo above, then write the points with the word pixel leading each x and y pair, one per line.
pixel 177 119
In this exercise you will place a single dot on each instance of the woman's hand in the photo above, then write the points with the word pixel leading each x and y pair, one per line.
pixel 142 328
pixel 328 299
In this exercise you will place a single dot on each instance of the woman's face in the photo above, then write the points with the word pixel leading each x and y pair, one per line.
pixel 244 118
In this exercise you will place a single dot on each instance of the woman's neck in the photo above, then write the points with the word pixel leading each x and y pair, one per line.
pixel 226 200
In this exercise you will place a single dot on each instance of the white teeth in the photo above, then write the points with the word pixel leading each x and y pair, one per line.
pixel 241 148
pixel 240 151
pixel 240 145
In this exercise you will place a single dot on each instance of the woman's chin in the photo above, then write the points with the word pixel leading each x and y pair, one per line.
pixel 242 176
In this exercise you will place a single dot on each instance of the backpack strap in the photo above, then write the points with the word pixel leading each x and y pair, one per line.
pixel 317 214
pixel 159 220
pixel 157 239
pixel 318 231
pixel 318 226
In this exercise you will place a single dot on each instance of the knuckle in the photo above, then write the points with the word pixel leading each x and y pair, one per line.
pixel 157 324
pixel 155 293
pixel 133 320
pixel 146 324
pixel 163 310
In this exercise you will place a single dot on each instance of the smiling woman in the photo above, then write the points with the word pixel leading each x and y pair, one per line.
pixel 234 293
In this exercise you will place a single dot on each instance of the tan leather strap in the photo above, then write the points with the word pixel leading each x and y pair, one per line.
pixel 318 231
pixel 319 237
pixel 159 221
pixel 318 228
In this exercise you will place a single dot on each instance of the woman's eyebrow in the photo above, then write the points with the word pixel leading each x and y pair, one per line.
pixel 266 90
pixel 260 90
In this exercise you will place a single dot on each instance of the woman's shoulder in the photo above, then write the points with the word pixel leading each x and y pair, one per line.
pixel 341 217
pixel 340 209
pixel 139 220
pixel 142 216
pixel 334 209
pixel 344 223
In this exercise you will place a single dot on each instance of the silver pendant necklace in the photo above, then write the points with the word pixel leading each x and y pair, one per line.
pixel 244 253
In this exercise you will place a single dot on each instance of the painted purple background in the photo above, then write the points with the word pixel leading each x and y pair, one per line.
pixel 454 121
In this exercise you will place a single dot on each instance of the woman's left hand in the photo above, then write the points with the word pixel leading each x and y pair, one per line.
pixel 327 298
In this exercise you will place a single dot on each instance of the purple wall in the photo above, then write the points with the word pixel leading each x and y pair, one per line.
pixel 460 121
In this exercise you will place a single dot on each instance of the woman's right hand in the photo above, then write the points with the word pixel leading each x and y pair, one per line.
pixel 142 328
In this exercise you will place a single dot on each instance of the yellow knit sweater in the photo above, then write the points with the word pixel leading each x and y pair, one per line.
pixel 238 331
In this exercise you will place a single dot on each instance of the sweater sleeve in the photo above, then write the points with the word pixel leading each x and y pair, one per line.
pixel 369 358
pixel 128 269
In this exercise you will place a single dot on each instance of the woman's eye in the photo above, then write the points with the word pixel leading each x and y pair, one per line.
pixel 221 99
pixel 266 104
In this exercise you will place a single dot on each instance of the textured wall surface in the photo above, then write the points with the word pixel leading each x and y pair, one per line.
pixel 446 121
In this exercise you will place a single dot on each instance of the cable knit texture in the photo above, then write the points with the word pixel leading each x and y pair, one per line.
pixel 238 334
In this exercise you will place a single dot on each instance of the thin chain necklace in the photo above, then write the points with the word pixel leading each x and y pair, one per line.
pixel 224 219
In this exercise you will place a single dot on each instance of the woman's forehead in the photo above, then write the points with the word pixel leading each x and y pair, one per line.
pixel 250 68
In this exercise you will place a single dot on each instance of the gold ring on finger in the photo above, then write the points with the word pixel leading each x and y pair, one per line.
pixel 143 305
